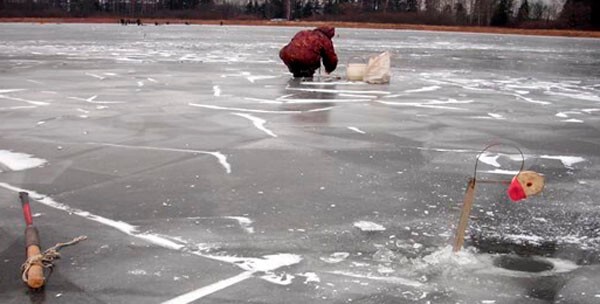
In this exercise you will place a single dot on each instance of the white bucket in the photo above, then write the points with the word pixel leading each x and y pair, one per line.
pixel 355 71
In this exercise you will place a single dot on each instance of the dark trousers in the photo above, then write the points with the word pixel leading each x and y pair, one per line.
pixel 301 70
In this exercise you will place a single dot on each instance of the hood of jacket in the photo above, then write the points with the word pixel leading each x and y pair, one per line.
pixel 329 31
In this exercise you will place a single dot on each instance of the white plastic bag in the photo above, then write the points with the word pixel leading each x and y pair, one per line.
pixel 378 69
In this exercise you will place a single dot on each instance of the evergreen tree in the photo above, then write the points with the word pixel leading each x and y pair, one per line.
pixel 249 8
pixel 297 9
pixel 331 7
pixel 523 14
pixel 307 10
pixel 317 9
pixel 257 8
pixel 580 13
pixel 596 14
pixel 412 6
pixel 261 10
pixel 460 13
pixel 501 16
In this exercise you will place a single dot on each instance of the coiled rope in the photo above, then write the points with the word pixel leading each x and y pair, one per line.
pixel 47 258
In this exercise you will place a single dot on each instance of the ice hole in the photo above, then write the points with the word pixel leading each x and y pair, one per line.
pixel 518 263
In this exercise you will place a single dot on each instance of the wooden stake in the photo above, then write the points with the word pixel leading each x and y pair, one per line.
pixel 465 213
pixel 35 273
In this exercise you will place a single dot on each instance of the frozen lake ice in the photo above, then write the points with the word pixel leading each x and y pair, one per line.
pixel 202 173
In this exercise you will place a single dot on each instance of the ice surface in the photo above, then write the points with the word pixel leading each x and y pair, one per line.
pixel 192 152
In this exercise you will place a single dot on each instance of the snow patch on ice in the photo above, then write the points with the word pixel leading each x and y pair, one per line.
pixel 95 76
pixel 335 257
pixel 567 161
pixel 311 277
pixel 15 161
pixel 390 279
pixel 243 221
pixel 432 104
pixel 266 263
pixel 93 100
pixel 216 91
pixel 33 102
pixel 522 238
pixel 566 114
pixel 357 130
pixel 496 116
pixel 137 272
pixel 447 256
pixel 424 89
pixel 581 96
pixel 368 226
pixel 279 279
pixel 254 78
pixel 490 159
pixel 573 120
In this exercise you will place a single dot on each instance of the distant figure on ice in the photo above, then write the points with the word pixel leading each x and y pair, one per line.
pixel 304 53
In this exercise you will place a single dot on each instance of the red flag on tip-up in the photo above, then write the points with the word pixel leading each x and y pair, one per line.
pixel 525 184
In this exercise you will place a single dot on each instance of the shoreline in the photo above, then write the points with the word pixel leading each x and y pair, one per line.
pixel 339 24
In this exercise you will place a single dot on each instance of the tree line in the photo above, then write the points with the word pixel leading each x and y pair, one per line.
pixel 584 14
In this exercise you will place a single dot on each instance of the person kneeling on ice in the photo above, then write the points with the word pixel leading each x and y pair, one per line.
pixel 303 54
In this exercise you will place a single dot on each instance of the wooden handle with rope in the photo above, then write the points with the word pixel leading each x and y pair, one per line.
pixel 35 272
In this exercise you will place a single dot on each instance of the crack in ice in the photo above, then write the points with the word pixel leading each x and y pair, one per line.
pixel 259 123
pixel 218 155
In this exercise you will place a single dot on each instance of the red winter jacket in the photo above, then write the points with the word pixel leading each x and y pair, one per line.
pixel 304 53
